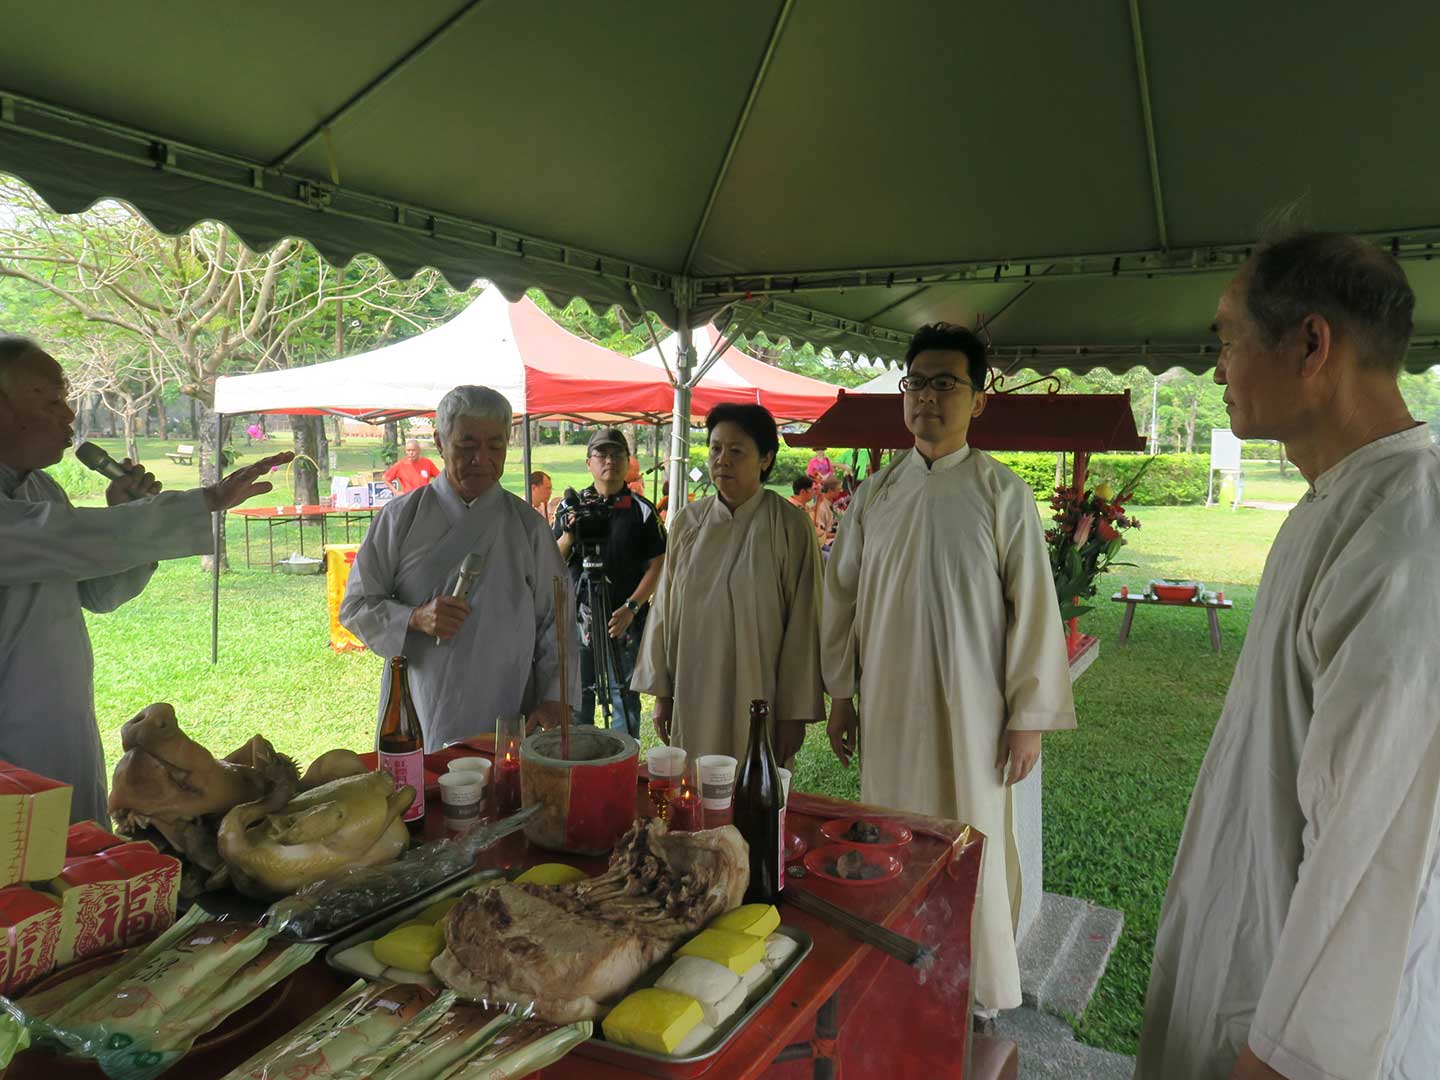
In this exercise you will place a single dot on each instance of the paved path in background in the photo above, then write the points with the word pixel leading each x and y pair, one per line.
pixel 1268 505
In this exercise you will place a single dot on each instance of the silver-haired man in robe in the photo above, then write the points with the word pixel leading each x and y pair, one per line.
pixel 58 561
pixel 1300 936
pixel 493 650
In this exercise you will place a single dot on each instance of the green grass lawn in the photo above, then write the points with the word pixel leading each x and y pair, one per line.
pixel 1116 789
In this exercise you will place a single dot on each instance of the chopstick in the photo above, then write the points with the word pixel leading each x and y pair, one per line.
pixel 906 950
pixel 564 627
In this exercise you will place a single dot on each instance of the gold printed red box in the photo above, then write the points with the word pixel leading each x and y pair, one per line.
pixel 29 936
pixel 34 818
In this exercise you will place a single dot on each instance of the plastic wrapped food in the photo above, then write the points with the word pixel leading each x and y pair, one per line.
pixel 364 1024
pixel 338 901
pixel 464 1031
pixel 527 1047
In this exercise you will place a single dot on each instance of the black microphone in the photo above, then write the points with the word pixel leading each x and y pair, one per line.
pixel 94 457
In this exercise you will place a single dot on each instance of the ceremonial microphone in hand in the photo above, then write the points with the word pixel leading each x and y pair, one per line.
pixel 94 457
pixel 469 574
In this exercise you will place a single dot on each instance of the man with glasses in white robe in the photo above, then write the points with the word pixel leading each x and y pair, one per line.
pixel 940 612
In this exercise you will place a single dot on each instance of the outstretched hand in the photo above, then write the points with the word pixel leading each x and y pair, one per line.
pixel 243 484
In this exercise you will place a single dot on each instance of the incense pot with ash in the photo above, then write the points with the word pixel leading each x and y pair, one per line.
pixel 585 776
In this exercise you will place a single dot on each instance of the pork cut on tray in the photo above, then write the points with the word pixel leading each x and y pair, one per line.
pixel 573 950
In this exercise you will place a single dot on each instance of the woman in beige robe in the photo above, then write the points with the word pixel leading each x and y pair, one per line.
pixel 736 614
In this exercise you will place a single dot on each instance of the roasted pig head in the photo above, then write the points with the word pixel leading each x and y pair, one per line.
pixel 572 950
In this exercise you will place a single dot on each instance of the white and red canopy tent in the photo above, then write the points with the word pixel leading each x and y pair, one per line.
pixel 728 370
pixel 542 369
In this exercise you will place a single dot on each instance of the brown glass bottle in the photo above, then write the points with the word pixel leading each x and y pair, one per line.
pixel 758 801
pixel 401 744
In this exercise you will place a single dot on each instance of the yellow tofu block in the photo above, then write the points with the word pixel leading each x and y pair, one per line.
pixel 436 912
pixel 34 823
pixel 410 947
pixel 550 874
pixel 651 1019
pixel 736 951
pixel 757 919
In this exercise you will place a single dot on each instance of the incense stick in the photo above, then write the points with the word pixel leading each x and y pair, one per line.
pixel 904 949
pixel 564 626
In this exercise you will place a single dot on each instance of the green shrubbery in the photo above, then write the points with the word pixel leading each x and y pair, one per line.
pixel 76 479
pixel 1173 480
pixel 790 462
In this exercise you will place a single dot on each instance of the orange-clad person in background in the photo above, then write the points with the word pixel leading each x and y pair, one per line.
pixel 411 471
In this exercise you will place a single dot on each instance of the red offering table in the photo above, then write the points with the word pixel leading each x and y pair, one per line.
pixel 846 1009
pixel 273 516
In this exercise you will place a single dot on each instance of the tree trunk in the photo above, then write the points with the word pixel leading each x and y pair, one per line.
pixel 560 429
pixel 307 445
pixel 208 464
pixel 337 432
pixel 194 421
pixel 1284 461
pixel 390 443
pixel 128 420
pixel 162 416
pixel 1190 424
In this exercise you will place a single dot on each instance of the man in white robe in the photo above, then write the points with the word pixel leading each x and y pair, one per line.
pixel 940 611
pixel 57 561
pixel 493 650
pixel 1300 936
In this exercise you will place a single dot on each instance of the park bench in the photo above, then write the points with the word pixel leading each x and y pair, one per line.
pixel 182 455
pixel 1208 603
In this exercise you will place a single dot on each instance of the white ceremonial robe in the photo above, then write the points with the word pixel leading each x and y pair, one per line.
pixel 1303 915
pixel 735 618
pixel 55 560
pixel 940 610
pixel 505 658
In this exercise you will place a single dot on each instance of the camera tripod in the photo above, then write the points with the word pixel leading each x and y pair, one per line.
pixel 595 599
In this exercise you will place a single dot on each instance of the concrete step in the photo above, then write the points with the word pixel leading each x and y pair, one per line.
pixel 1064 955
pixel 1048 1050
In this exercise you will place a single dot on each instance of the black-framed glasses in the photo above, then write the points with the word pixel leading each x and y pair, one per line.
pixel 941 383
pixel 609 453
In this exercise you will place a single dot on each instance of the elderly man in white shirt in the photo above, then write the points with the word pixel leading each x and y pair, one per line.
pixel 1300 936
pixel 57 560
pixel 492 651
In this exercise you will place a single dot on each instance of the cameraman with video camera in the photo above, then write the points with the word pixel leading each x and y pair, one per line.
pixel 611 539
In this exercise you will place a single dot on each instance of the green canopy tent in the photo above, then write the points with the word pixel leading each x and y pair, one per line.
pixel 1077 179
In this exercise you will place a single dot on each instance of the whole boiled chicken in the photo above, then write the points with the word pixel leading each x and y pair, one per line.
pixel 279 844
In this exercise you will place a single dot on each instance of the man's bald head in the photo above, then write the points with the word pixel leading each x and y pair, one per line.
pixel 16 351
pixel 35 417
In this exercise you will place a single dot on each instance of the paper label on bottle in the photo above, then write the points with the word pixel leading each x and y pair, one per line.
pixel 407 769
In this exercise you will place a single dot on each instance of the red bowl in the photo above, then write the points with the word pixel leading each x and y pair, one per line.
pixel 893 836
pixel 794 846
pixel 819 862
pixel 1174 594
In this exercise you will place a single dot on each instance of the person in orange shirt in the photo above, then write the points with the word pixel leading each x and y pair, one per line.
pixel 411 471
pixel 633 480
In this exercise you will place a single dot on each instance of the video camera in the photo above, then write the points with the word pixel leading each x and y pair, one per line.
pixel 590 514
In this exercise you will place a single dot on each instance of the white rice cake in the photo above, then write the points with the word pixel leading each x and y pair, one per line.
pixel 704 980
pixel 756 980
pixel 778 950
pixel 699 1035
pixel 722 1010
pixel 361 958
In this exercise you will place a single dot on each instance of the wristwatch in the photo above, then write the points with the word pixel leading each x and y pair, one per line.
pixel 633 606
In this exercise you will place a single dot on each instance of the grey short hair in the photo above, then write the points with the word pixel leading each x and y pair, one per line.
pixel 13 349
pixel 477 402
pixel 1359 288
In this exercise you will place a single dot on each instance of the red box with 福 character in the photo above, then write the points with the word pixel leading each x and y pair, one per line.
pixel 29 936
pixel 124 896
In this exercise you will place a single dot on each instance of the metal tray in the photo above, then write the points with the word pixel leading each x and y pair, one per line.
pixel 383 922
pixel 663 1065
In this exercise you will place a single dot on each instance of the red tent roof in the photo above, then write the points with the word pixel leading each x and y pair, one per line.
pixel 1010 422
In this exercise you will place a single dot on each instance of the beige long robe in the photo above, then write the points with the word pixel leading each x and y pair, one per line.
pixel 1303 915
pixel 940 610
pixel 735 617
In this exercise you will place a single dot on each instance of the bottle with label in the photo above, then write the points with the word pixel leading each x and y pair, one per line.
pixel 758 805
pixel 401 744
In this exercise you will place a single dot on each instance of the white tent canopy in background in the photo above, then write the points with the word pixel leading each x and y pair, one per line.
pixel 887 382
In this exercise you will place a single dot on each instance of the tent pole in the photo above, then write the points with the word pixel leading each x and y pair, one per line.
pixel 680 421
pixel 655 457
pixel 525 452
pixel 216 526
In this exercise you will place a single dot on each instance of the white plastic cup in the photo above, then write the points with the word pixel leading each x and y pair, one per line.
pixel 717 781
pixel 478 765
pixel 665 761
pixel 785 784
pixel 462 798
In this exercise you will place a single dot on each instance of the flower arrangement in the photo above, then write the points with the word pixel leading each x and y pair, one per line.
pixel 1086 538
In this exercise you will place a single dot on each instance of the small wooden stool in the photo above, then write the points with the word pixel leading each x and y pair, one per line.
pixel 1210 607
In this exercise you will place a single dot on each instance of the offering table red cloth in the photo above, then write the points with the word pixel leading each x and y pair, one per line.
pixel 846 1010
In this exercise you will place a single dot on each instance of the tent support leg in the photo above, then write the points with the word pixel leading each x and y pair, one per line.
pixel 655 457
pixel 680 420
pixel 217 526
pixel 525 452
